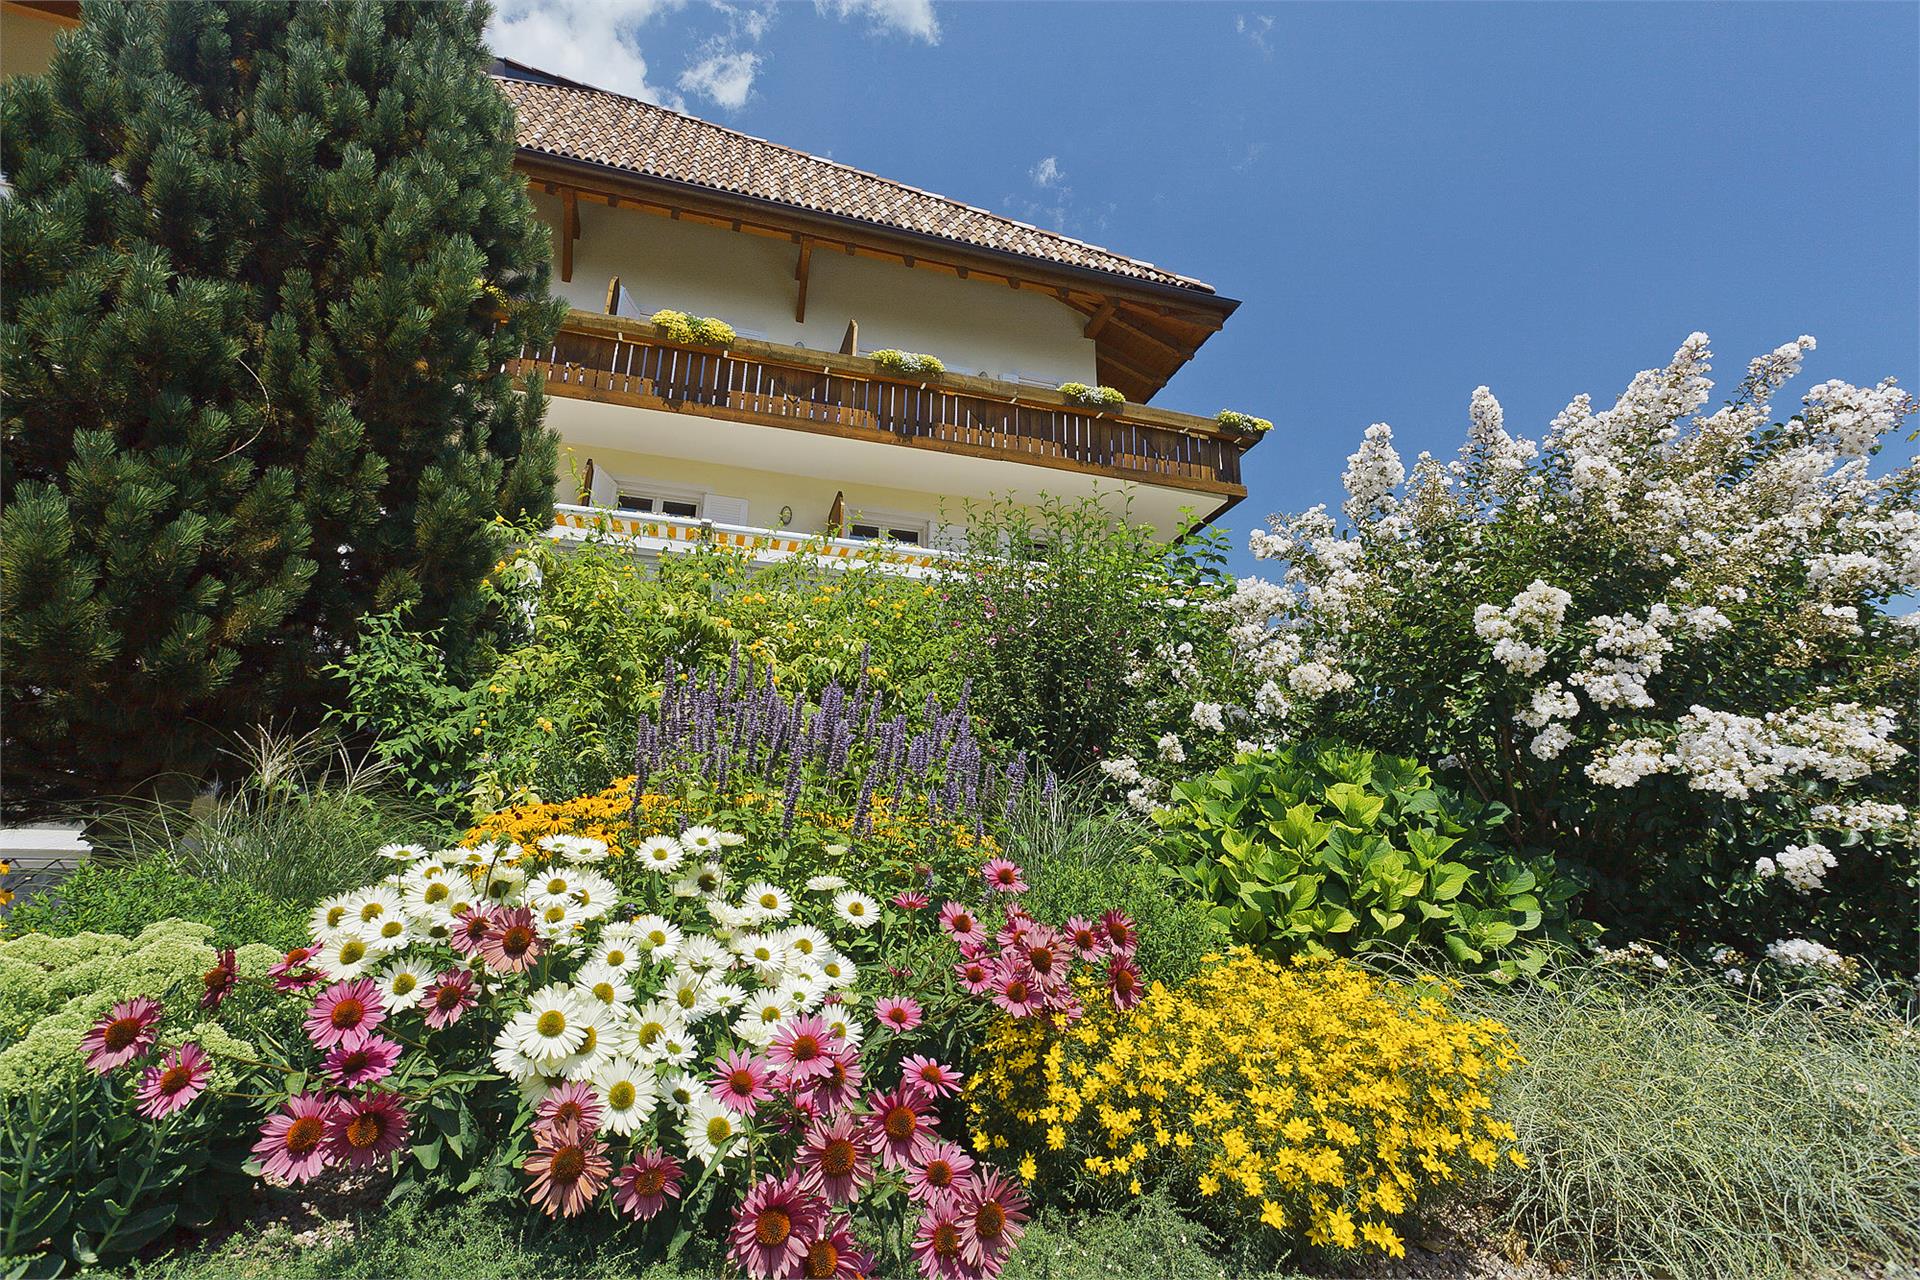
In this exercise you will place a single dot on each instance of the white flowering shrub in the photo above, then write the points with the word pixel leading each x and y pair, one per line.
pixel 1660 634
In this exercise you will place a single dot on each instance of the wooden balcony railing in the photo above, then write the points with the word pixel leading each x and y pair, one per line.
pixel 623 362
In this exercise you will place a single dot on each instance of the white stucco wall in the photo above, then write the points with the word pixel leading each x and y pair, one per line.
pixel 973 326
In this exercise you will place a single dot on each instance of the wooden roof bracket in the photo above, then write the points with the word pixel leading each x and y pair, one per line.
pixel 569 230
pixel 801 271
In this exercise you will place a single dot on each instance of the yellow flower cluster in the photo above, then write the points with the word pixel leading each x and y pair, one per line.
pixel 1314 1097
pixel 601 816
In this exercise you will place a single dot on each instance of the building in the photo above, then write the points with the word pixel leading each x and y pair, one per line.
pixel 791 429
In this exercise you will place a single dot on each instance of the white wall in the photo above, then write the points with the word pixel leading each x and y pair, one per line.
pixel 973 326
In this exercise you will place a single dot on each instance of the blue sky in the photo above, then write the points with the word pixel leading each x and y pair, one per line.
pixel 1409 200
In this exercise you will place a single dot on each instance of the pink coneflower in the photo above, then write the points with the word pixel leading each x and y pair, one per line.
pixel 512 944
pixel 1087 938
pixel 1122 937
pixel 1123 983
pixel 365 1130
pixel 292 972
pixel 897 1013
pixel 976 976
pixel 1017 993
pixel 126 1032
pixel 365 1063
pixel 1044 954
pixel 939 1242
pixel 803 1048
pixel 346 1013
pixel 974 948
pixel 645 1185
pixel 1015 927
pixel 1004 876
pixel 833 1254
pixel 743 1081
pixel 911 900
pixel 836 1158
pixel 935 1079
pixel 840 1086
pixel 177 1080
pixel 994 1211
pixel 292 1141
pixel 772 1226
pixel 958 922
pixel 218 982
pixel 941 1169
pixel 900 1125
pixel 573 1107
pixel 448 998
pixel 569 1170
pixel 470 930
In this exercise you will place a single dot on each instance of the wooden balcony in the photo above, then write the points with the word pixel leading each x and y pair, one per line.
pixel 621 361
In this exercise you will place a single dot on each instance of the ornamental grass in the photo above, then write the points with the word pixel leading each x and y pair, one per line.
pixel 1313 1098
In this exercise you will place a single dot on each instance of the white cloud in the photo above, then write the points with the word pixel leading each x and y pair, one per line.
pixel 596 41
pixel 1258 29
pixel 1047 172
pixel 726 78
pixel 913 18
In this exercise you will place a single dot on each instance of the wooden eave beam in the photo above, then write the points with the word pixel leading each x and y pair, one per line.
pixel 1100 318
pixel 801 271
pixel 569 229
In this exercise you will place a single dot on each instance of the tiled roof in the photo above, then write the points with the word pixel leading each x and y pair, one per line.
pixel 577 122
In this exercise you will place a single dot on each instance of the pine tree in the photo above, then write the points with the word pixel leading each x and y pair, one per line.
pixel 263 264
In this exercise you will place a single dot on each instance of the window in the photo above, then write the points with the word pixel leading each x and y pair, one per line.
pixel 659 504
pixel 910 536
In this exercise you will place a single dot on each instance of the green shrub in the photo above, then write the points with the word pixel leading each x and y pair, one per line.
pixel 1233 420
pixel 1330 848
pixel 912 362
pixel 1098 397
pixel 125 897
pixel 1081 858
pixel 1678 1129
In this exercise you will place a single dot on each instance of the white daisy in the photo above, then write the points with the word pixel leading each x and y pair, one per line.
pixel 657 936
pixel 559 919
pixel 676 1048
pixel 807 942
pixel 574 848
pixel 595 893
pixel 725 997
pixel 837 970
pixel 376 902
pixel 801 991
pixel 709 1130
pixel 763 952
pixel 652 1023
pixel 512 1063
pixel 552 1026
pixel 603 983
pixel 552 885
pixel 840 1020
pixel 332 913
pixel 702 954
pixel 347 954
pixel 767 901
pixel 688 992
pixel 661 854
pixel 617 953
pixel 701 842
pixel 427 897
pixel 680 1090
pixel 387 934
pixel 597 1024
pixel 826 884
pixel 501 884
pixel 405 983
pixel 403 852
pixel 628 1091
pixel 857 909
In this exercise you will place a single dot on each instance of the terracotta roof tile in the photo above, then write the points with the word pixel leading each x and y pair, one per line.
pixel 577 122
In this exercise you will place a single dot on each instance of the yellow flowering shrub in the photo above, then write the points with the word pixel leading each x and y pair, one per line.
pixel 1312 1097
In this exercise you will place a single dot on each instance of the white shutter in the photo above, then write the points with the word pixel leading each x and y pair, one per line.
pixel 949 537
pixel 604 490
pixel 725 510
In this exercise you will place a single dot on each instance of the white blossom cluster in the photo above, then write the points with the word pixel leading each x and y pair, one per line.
pixel 1804 866
pixel 1799 953
pixel 1518 631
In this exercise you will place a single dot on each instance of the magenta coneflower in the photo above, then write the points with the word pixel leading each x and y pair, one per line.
pixel 1045 955
pixel 836 1158
pixel 840 1086
pixel 573 1107
pixel 911 900
pixel 1087 938
pixel 803 1048
pixel 935 1079
pixel 1123 982
pixel 772 1226
pixel 833 1254
pixel 292 972
pixel 512 944
pixel 958 922
pixel 1014 927
pixel 648 1181
pixel 743 1081
pixel 177 1080
pixel 1017 993
pixel 218 982
pixel 1122 937
pixel 976 976
pixel 942 1168
pixel 994 1212
pixel 350 1066
pixel 939 1242
pixel 470 930
pixel 126 1032
pixel 569 1170
pixel 900 1125
pixel 448 998
pixel 1004 876
pixel 365 1130
pixel 346 1013
pixel 291 1145
pixel 897 1013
